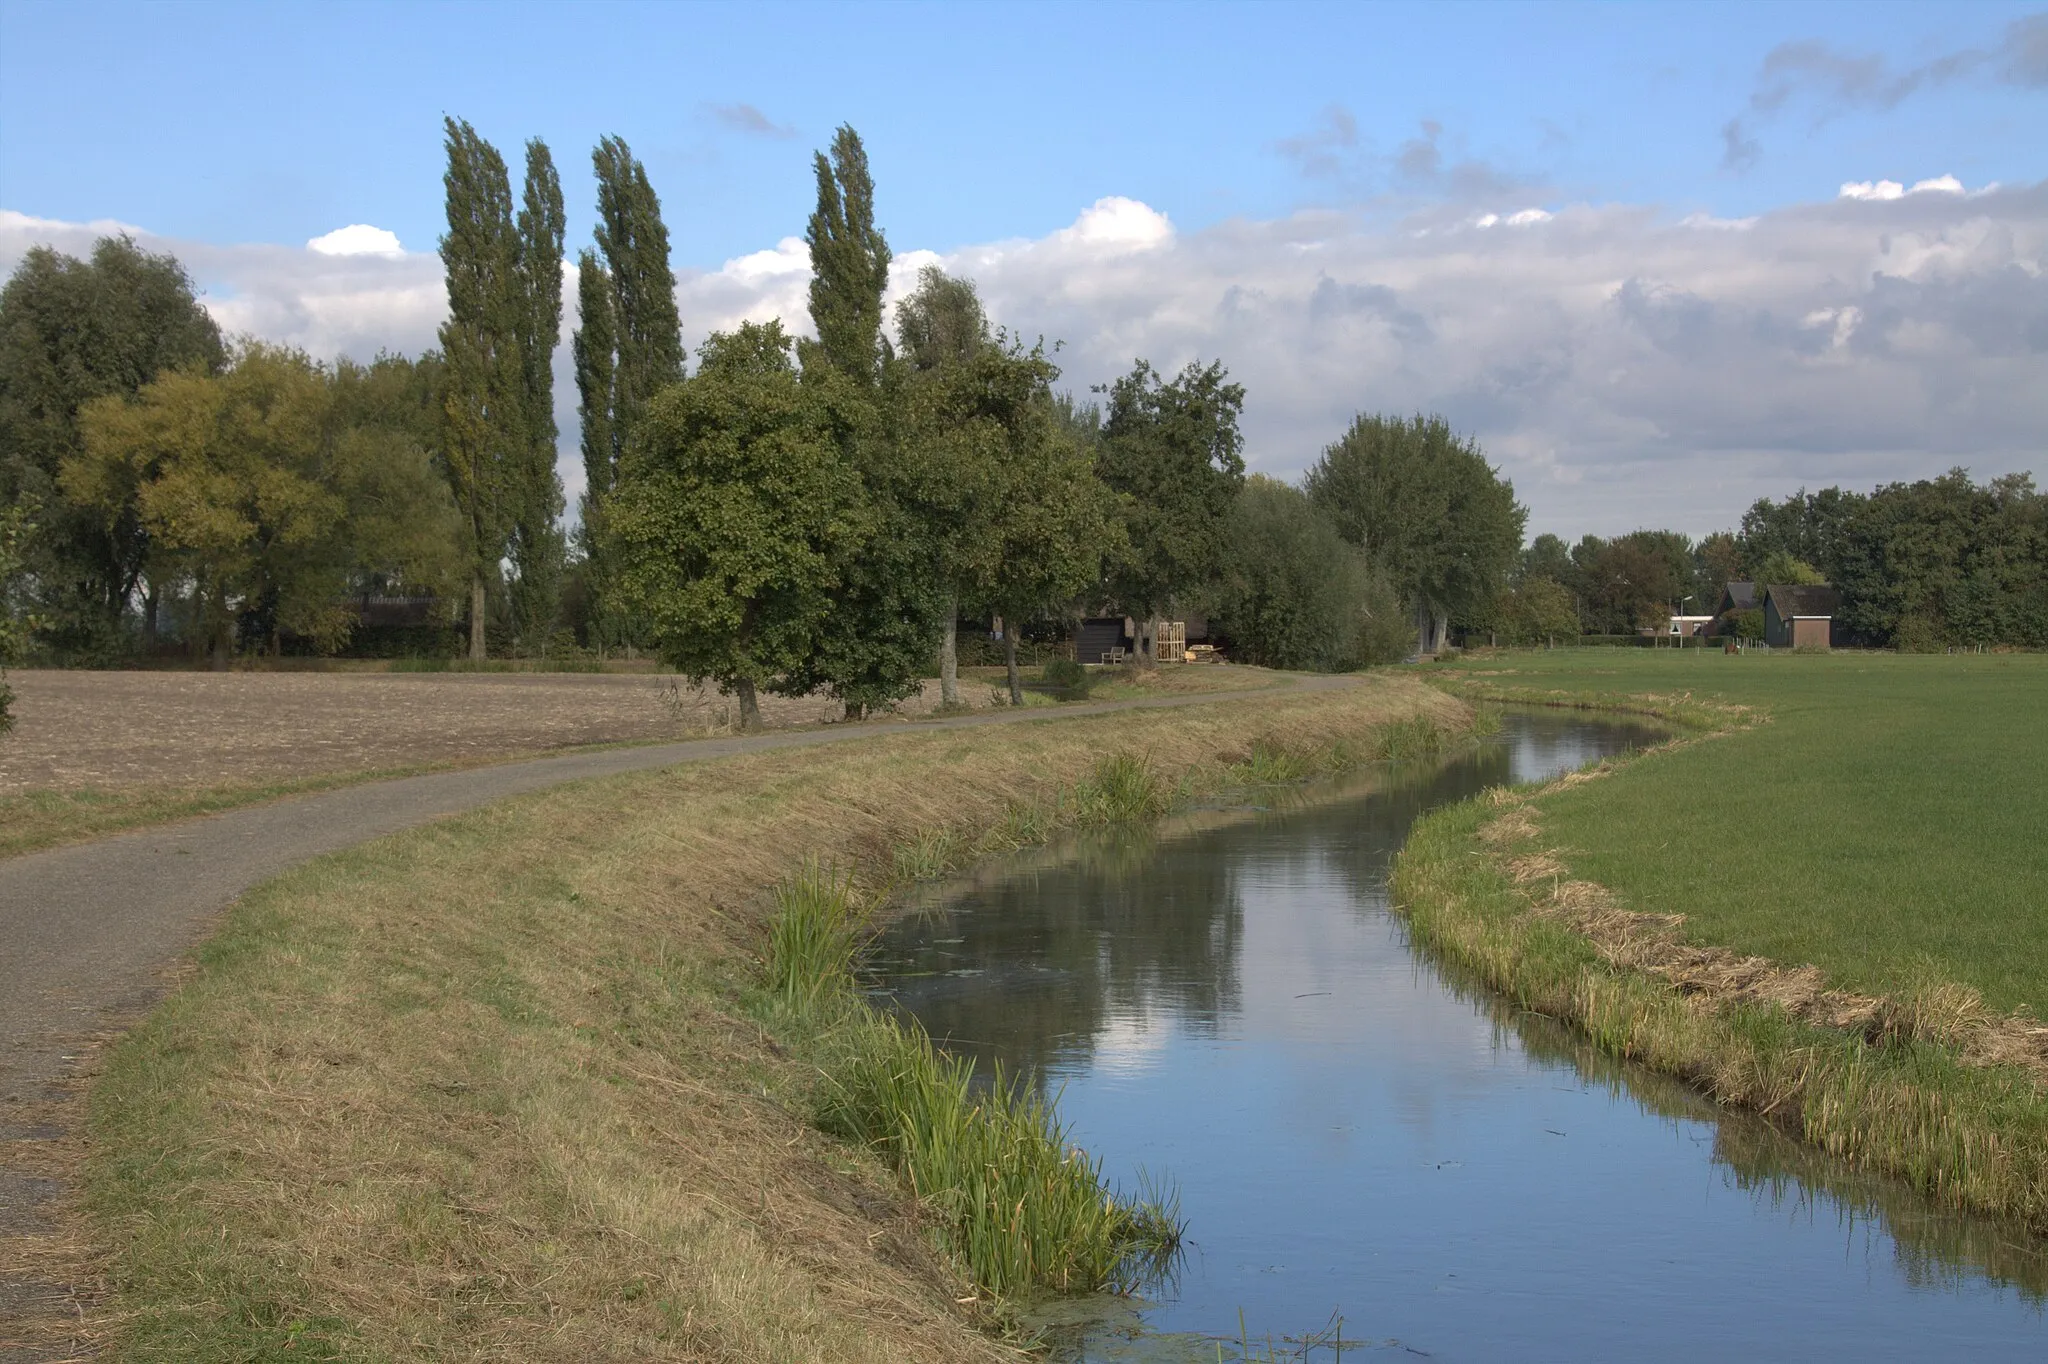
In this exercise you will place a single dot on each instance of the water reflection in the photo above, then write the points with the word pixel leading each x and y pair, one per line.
pixel 1354 1129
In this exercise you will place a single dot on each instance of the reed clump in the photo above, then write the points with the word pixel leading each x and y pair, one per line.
pixel 1021 1209
pixel 1026 1211
pixel 814 936
pixel 1411 738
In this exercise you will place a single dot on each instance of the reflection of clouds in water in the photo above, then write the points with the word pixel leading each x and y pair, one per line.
pixel 1131 1043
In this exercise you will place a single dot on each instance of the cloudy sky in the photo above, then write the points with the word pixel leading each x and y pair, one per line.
pixel 1658 260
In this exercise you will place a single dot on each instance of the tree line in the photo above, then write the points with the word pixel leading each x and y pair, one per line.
pixel 1920 566
pixel 787 514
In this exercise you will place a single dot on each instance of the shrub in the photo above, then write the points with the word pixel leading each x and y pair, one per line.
pixel 1067 675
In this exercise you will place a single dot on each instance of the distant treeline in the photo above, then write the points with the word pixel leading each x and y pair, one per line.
pixel 789 514
pixel 1920 566
pixel 804 515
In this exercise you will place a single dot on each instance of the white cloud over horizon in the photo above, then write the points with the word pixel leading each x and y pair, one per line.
pixel 357 239
pixel 1622 367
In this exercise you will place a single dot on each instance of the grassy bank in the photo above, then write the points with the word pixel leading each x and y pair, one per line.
pixel 1826 906
pixel 1881 820
pixel 517 1084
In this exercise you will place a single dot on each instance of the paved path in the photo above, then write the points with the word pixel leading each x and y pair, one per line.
pixel 87 931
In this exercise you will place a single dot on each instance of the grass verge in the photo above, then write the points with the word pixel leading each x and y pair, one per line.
pixel 515 1083
pixel 1804 916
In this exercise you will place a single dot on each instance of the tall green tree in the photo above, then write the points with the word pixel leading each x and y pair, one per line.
pixel 537 546
pixel 1428 511
pixel 628 347
pixel 1295 594
pixel 1171 448
pixel 731 514
pixel 943 328
pixel 849 262
pixel 1045 524
pixel 484 439
pixel 879 638
pixel 72 331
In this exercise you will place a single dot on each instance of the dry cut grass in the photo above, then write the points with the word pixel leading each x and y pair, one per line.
pixel 498 1087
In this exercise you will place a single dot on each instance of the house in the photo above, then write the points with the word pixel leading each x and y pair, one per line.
pixel 1737 597
pixel 1686 626
pixel 1800 617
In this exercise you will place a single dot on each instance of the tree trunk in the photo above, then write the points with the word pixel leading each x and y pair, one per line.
pixel 223 630
pixel 1010 661
pixel 949 655
pixel 476 619
pixel 750 709
pixel 149 606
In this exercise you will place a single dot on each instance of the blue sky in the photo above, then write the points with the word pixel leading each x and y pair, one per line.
pixel 276 123
pixel 219 126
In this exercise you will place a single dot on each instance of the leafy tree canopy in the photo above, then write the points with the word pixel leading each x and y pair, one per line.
pixel 270 488
pixel 1172 449
pixel 849 262
pixel 1294 594
pixel 735 508
pixel 72 331
pixel 1427 509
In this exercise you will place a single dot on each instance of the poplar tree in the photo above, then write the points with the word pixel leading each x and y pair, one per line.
pixel 483 408
pixel 942 327
pixel 536 533
pixel 849 262
pixel 879 638
pixel 628 343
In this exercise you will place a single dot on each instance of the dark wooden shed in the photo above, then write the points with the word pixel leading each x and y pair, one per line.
pixel 1105 639
pixel 1800 617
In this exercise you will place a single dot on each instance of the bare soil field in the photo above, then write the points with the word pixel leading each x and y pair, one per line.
pixel 98 752
pixel 123 730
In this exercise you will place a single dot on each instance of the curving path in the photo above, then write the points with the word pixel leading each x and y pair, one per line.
pixel 88 931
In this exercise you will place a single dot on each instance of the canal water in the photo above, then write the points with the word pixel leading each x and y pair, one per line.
pixel 1364 1142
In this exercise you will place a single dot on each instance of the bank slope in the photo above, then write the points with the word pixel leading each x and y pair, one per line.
pixel 496 1085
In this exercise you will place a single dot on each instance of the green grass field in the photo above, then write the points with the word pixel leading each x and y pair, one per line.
pixel 1889 824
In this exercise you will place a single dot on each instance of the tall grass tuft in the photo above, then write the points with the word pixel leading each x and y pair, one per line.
pixel 1123 787
pixel 1272 765
pixel 1024 1211
pixel 1416 737
pixel 814 937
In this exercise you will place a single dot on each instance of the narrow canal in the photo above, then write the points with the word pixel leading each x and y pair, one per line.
pixel 1356 1133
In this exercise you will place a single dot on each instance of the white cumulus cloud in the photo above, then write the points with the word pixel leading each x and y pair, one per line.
pixel 1622 367
pixel 357 239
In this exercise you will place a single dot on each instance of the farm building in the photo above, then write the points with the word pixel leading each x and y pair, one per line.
pixel 1800 617
pixel 1113 639
pixel 1737 597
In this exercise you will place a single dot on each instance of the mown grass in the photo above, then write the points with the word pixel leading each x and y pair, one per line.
pixel 513 1085
pixel 1906 1105
pixel 1885 824
pixel 1872 816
